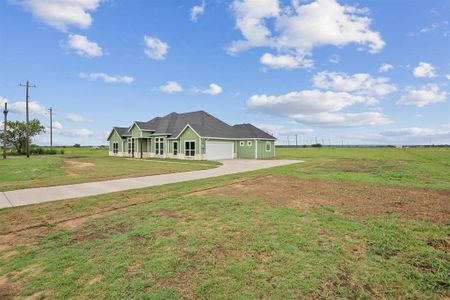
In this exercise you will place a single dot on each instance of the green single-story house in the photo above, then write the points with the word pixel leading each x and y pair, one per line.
pixel 192 135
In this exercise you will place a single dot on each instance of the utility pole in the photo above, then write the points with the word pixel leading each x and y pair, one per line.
pixel 27 133
pixel 5 114
pixel 296 141
pixel 51 129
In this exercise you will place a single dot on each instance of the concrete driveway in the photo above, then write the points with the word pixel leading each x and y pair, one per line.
pixel 62 192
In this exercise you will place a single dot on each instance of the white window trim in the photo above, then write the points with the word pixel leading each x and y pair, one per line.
pixel 270 146
pixel 173 148
pixel 130 149
pixel 114 147
pixel 158 141
pixel 195 146
pixel 249 143
pixel 241 144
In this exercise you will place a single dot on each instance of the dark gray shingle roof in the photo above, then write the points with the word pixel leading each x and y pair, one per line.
pixel 203 123
pixel 122 131
pixel 250 131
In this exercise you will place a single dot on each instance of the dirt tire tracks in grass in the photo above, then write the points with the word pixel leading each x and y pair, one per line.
pixel 57 222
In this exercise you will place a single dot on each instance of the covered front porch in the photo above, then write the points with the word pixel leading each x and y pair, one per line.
pixel 139 147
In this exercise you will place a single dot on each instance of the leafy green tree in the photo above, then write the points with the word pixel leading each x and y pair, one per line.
pixel 16 133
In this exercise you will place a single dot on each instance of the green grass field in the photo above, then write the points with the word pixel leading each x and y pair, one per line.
pixel 347 223
pixel 79 165
pixel 418 167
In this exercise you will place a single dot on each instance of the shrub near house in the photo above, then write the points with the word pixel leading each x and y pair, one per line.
pixel 193 135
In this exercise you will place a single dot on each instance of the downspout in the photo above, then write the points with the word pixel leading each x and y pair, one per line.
pixel 256 149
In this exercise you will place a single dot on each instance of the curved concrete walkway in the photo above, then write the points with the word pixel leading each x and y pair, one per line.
pixel 62 192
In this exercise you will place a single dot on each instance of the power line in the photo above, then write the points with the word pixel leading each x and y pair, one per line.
pixel 27 127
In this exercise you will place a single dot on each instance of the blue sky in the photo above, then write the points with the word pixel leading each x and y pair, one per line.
pixel 358 72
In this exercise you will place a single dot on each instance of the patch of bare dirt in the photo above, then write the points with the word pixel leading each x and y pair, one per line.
pixel 7 289
pixel 73 166
pixel 76 222
pixel 95 280
pixel 170 214
pixel 95 232
pixel 78 164
pixel 356 198
pixel 61 215
pixel 370 166
pixel 10 286
pixel 12 240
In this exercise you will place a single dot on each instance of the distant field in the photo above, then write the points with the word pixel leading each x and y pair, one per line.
pixel 81 165
pixel 346 224
pixel 419 167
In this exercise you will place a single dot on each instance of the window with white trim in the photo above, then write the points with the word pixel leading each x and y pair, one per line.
pixel 189 148
pixel 249 143
pixel 115 147
pixel 268 146
pixel 175 148
pixel 241 143
pixel 130 146
pixel 159 146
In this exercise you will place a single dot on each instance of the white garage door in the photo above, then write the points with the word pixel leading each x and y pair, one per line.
pixel 219 150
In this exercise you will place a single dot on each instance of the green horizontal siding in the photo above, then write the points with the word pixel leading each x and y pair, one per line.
pixel 189 135
pixel 115 137
pixel 136 132
pixel 245 151
pixel 262 153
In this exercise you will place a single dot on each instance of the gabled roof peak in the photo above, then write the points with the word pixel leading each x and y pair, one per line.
pixel 205 124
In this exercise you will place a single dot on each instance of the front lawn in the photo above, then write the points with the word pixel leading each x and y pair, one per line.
pixel 37 171
pixel 281 233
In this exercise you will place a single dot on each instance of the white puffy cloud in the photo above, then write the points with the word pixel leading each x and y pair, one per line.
pixel 447 76
pixel 425 95
pixel 82 132
pixel 33 107
pixel 371 118
pixel 155 48
pixel 57 125
pixel 61 130
pixel 250 20
pixel 285 61
pixel 317 107
pixel 213 89
pixel 362 83
pixel 416 132
pixel 62 14
pixel 298 29
pixel 2 103
pixel 107 78
pixel 280 130
pixel 76 118
pixel 334 59
pixel 197 10
pixel 171 87
pixel 385 68
pixel 441 27
pixel 83 47
pixel 424 70
pixel 416 135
